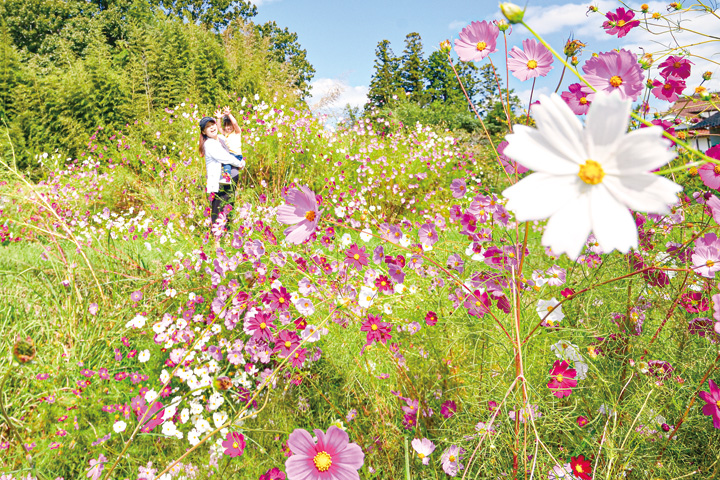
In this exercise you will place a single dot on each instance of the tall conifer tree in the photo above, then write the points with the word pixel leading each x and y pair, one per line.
pixel 412 69
pixel 385 81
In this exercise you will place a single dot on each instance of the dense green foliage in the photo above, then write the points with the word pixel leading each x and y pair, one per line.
pixel 68 67
pixel 414 89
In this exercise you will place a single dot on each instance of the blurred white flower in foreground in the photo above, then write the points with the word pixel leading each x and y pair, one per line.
pixel 587 178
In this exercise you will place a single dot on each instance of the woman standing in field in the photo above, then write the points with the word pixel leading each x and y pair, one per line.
pixel 221 193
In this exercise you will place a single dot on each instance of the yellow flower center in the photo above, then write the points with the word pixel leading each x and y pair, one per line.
pixel 709 263
pixel 421 455
pixel 452 458
pixel 550 308
pixel 591 172
pixel 481 46
pixel 578 468
pixel 717 169
pixel 288 344
pixel 532 64
pixel 667 86
pixel 583 101
pixel 559 378
pixel 383 283
pixel 235 445
pixel 310 215
pixel 677 65
pixel 356 256
pixel 373 328
pixel 322 461
pixel 621 23
pixel 693 171
pixel 263 325
pixel 616 81
pixel 281 300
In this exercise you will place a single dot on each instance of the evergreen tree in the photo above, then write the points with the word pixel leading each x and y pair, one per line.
pixel 213 14
pixel 412 69
pixel 385 82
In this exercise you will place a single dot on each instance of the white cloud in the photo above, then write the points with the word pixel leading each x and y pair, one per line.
pixel 457 25
pixel 334 94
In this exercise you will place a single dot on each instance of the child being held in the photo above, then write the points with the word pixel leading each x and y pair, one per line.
pixel 233 142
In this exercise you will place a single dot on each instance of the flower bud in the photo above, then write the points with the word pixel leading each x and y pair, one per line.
pixel 574 61
pixel 502 24
pixel 222 383
pixel 644 8
pixel 646 61
pixel 573 47
pixel 592 8
pixel 445 47
pixel 674 6
pixel 703 92
pixel 24 349
pixel 707 76
pixel 512 12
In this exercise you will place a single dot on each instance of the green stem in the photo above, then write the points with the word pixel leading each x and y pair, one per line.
pixel 634 115
pixel 7 418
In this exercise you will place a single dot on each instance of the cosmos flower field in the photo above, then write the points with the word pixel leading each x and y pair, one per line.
pixel 383 301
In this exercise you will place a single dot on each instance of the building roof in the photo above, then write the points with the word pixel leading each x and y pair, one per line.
pixel 712 121
pixel 691 106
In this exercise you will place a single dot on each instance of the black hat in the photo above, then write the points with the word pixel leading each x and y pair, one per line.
pixel 205 121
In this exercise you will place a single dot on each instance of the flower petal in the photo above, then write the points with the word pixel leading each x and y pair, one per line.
pixel 643 192
pixel 301 443
pixel 299 467
pixel 532 149
pixel 568 229
pixel 538 196
pixel 612 222
pixel 289 214
pixel 639 151
pixel 562 129
pixel 606 124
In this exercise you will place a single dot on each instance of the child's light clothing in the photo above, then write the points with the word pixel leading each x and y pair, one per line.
pixel 234 143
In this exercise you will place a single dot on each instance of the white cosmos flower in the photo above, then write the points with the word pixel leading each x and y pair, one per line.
pixel 588 178
pixel 553 307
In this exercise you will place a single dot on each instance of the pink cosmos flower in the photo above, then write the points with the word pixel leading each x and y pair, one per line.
pixel 451 459
pixel 301 211
pixel 668 90
pixel 563 379
pixel 427 234
pixel 423 448
pixel 448 409
pixel 331 458
pixel 376 329
pixel 273 474
pixel 620 22
pixel 576 99
pixel 675 67
pixel 458 188
pixel 706 261
pixel 510 165
pixel 356 257
pixel 710 172
pixel 614 71
pixel 533 61
pixel 96 467
pixel 713 403
pixel 260 326
pixel 279 299
pixel 234 444
pixel 477 41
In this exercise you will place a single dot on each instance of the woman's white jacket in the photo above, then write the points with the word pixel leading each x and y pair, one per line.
pixel 215 157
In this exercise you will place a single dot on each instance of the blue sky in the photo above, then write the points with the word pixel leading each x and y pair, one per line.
pixel 340 36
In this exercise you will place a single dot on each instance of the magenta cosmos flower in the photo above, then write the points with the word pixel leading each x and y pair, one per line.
pixel 713 403
pixel 300 211
pixel 477 41
pixel 331 458
pixel 675 67
pixel 620 22
pixel 563 379
pixel 576 99
pixel 669 89
pixel 614 71
pixel 427 234
pixel 234 444
pixel 533 61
